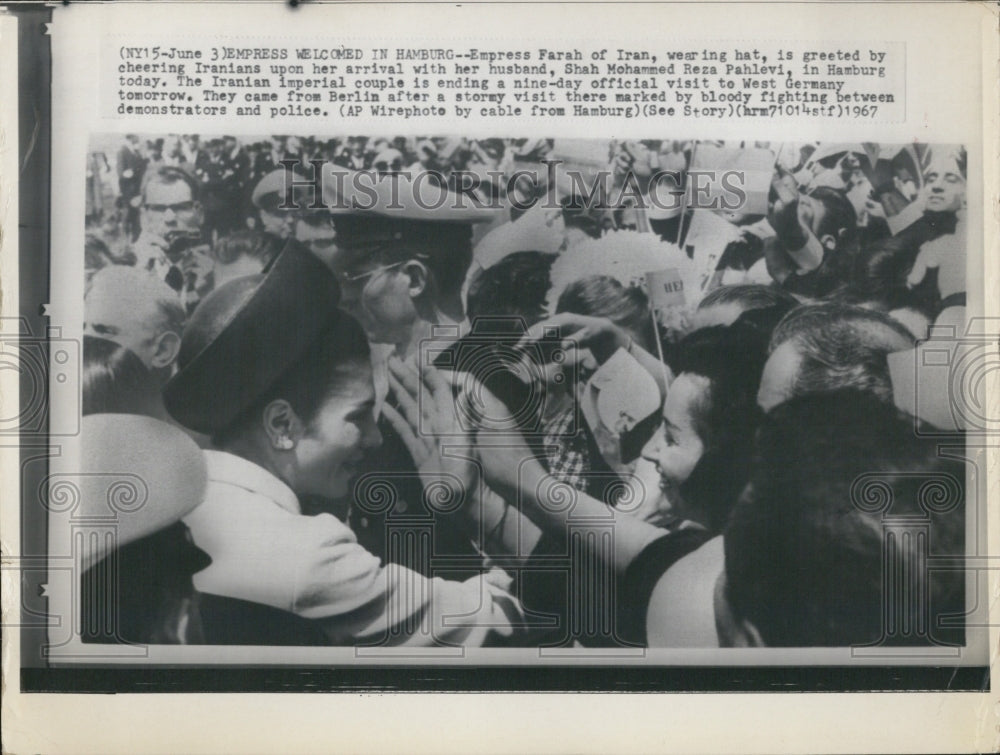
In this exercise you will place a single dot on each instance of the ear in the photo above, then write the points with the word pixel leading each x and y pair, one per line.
pixel 829 242
pixel 198 212
pixel 419 277
pixel 282 425
pixel 165 349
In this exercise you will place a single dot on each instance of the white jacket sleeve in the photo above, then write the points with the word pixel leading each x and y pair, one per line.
pixel 360 602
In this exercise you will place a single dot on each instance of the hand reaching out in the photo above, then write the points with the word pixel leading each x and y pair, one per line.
pixel 588 342
pixel 783 211
pixel 947 255
pixel 427 420
pixel 580 335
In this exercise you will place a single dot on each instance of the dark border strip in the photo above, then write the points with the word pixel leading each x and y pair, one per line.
pixel 508 679
pixel 34 162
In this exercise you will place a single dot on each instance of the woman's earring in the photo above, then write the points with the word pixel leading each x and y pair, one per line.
pixel 284 443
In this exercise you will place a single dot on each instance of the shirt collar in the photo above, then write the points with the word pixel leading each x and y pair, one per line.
pixel 230 469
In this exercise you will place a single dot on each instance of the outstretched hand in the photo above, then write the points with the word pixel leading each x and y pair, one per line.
pixel 509 465
pixel 946 254
pixel 427 420
pixel 598 334
pixel 586 343
pixel 783 211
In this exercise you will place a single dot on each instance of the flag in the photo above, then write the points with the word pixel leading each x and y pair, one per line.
pixel 706 240
pixel 753 168
pixel 665 289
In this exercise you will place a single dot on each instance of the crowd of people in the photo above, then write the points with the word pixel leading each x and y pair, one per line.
pixel 546 417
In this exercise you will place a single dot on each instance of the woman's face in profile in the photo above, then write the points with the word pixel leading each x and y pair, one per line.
pixel 336 440
pixel 676 447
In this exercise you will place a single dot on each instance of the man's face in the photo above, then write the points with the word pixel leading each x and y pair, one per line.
pixel 278 223
pixel 778 378
pixel 315 230
pixel 379 297
pixel 944 186
pixel 116 319
pixel 168 209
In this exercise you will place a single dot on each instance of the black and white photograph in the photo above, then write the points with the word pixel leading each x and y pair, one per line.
pixel 438 391
pixel 499 377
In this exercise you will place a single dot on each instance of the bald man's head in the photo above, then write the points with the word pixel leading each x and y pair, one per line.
pixel 137 310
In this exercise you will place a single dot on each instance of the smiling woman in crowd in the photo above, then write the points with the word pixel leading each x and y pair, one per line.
pixel 702 448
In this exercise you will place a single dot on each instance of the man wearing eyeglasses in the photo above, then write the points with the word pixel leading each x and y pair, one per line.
pixel 403 247
pixel 171 242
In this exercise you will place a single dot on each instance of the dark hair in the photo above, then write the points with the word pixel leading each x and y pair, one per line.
pixel 839 218
pixel 494 144
pixel 259 246
pixel 170 174
pixel 765 321
pixel 604 296
pixel 115 380
pixel 731 358
pixel 842 347
pixel 577 213
pixel 879 279
pixel 839 221
pixel 805 547
pixel 96 253
pixel 516 285
pixel 449 266
pixel 308 382
pixel 748 296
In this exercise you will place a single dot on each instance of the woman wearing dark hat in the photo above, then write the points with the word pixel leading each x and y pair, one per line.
pixel 281 380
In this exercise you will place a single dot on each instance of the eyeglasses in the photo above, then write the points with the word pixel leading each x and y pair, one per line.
pixel 354 280
pixel 177 208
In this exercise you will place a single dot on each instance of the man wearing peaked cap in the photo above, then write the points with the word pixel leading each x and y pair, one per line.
pixel 267 195
pixel 404 247
pixel 288 209
pixel 281 380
